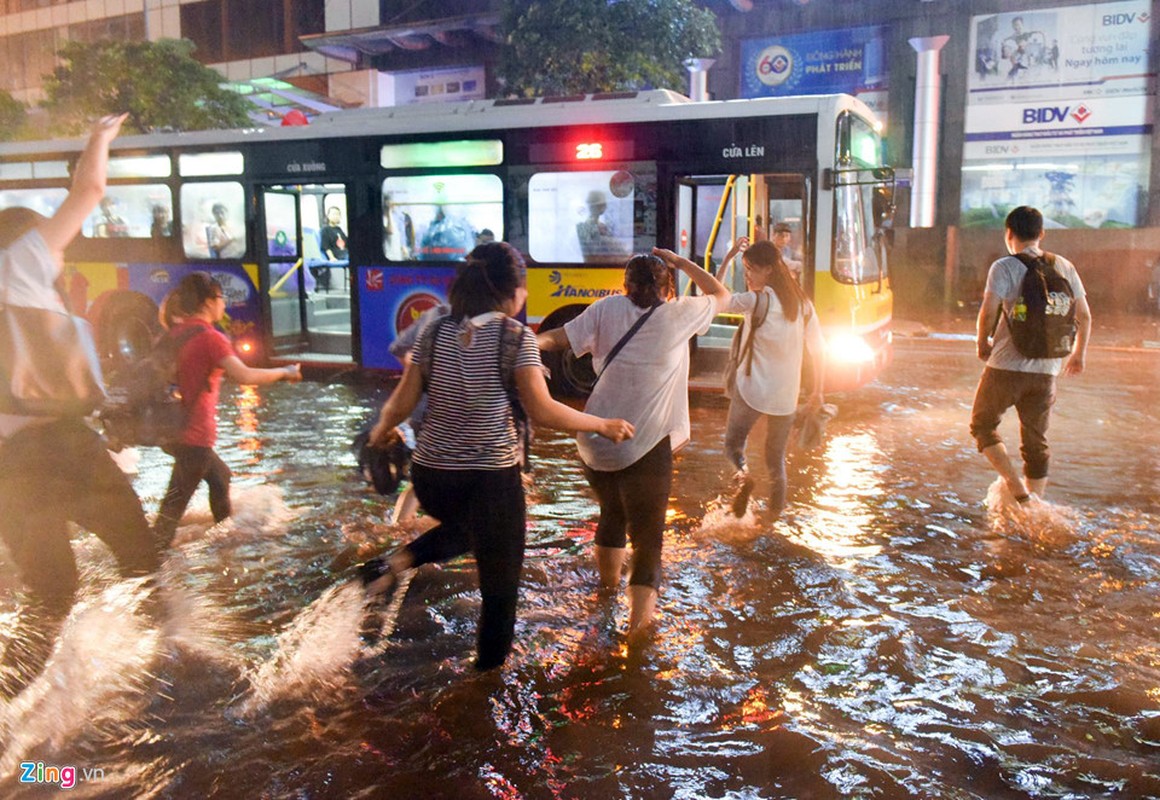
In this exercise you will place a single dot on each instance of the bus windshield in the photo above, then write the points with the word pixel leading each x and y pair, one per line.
pixel 857 258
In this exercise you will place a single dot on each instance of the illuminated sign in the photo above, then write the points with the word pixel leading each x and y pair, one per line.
pixel 588 149
pixel 468 153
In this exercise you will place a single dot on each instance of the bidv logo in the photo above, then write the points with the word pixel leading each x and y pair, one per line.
pixel 1125 19
pixel 1046 115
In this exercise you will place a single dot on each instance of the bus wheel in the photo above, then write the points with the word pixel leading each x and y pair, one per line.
pixel 571 376
pixel 125 324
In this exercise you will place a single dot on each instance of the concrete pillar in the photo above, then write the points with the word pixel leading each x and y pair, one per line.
pixel 927 90
pixel 699 77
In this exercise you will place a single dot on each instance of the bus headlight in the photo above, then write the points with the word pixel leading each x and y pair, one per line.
pixel 848 348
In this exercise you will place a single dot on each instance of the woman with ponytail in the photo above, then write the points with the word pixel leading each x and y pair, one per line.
pixel 779 319
pixel 466 464
pixel 647 383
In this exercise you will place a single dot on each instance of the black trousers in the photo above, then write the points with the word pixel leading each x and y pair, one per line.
pixel 633 502
pixel 191 466
pixel 56 473
pixel 482 512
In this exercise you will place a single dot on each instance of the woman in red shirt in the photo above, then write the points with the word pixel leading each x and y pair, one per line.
pixel 202 361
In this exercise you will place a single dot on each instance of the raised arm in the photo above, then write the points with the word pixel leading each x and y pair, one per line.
pixel 88 185
pixel 707 284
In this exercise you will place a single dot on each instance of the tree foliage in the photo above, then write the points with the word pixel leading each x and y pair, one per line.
pixel 12 116
pixel 159 83
pixel 576 46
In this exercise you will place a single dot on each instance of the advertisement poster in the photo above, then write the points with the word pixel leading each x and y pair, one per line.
pixel 391 299
pixel 1059 115
pixel 852 61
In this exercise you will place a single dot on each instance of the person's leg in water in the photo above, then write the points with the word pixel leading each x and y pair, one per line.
pixel 1034 409
pixel 645 492
pixel 611 538
pixel 498 526
pixel 994 395
pixel 406 507
pixel 738 424
pixel 217 478
pixel 41 489
pixel 777 431
pixel 191 465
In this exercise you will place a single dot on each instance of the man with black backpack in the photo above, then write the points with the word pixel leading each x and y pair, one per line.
pixel 1034 322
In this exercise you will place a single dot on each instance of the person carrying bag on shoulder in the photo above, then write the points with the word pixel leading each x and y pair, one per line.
pixel 780 326
pixel 55 469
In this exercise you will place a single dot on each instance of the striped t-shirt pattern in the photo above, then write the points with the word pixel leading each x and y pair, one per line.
pixel 469 423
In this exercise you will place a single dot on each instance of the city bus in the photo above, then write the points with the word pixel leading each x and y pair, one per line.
pixel 331 238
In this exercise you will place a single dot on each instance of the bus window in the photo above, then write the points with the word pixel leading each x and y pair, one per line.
pixel 140 167
pixel 598 217
pixel 855 257
pixel 43 201
pixel 213 220
pixel 137 212
pixel 281 225
pixel 198 165
pixel 439 217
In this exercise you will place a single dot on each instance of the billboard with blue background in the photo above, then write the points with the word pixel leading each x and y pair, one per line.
pixel 390 299
pixel 852 61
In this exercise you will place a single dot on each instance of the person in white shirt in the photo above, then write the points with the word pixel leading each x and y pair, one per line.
pixel 1011 378
pixel 56 470
pixel 647 384
pixel 779 320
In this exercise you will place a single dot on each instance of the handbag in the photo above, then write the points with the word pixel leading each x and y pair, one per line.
pixel 48 364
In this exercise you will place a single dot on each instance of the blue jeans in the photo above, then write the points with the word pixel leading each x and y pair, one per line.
pixel 741 420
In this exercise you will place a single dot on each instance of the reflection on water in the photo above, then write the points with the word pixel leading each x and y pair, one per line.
pixel 901 632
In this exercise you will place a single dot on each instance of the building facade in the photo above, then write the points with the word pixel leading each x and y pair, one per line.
pixel 987 104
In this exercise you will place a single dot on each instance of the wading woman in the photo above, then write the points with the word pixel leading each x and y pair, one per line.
pixel 466 464
pixel 639 346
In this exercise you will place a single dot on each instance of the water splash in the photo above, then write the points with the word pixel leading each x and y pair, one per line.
pixel 1037 521
pixel 97 678
pixel 257 510
pixel 314 654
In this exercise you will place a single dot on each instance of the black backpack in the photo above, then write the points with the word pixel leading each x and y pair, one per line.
pixel 1042 321
pixel 144 405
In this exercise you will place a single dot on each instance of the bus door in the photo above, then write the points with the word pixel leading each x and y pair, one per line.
pixel 307 272
pixel 713 211
pixel 785 199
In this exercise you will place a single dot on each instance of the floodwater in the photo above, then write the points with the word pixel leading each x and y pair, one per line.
pixel 892 637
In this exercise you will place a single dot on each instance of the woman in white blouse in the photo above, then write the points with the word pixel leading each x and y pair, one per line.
pixel 779 320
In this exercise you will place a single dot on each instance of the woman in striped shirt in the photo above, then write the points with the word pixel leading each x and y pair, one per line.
pixel 466 465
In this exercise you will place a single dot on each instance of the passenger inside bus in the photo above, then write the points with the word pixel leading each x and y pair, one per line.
pixel 598 239
pixel 223 239
pixel 111 224
pixel 783 240
pixel 398 231
pixel 447 238
pixel 332 244
pixel 162 226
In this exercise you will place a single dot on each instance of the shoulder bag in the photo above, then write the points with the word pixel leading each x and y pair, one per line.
pixel 48 364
